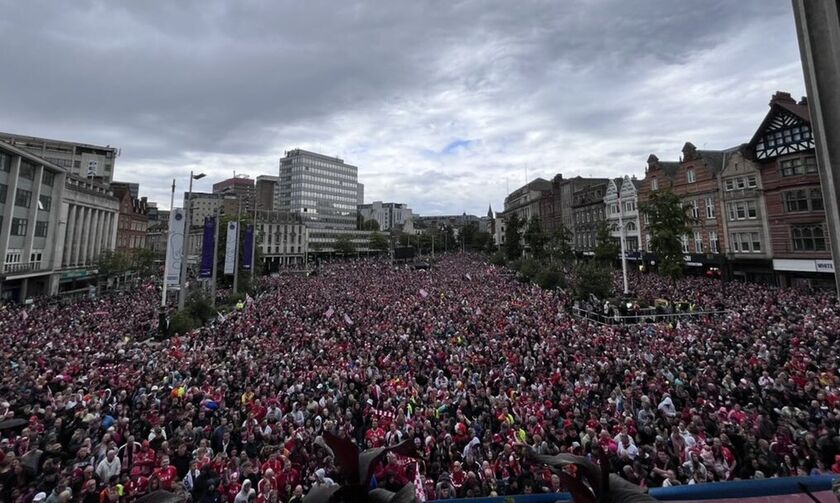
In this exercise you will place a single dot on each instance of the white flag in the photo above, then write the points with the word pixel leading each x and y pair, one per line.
pixel 329 313
pixel 175 247
pixel 231 247
pixel 424 293
pixel 347 319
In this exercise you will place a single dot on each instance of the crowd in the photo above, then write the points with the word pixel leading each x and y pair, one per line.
pixel 461 359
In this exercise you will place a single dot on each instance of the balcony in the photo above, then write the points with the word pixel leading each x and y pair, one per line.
pixel 21 267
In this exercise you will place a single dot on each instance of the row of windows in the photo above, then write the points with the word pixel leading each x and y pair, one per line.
pixel 808 238
pixel 787 136
pixel 803 200
pixel 695 208
pixel 21 225
pixel 326 188
pixel 740 183
pixel 799 166
pixel 324 177
pixel 324 169
pixel 714 244
pixel 745 242
pixel 742 210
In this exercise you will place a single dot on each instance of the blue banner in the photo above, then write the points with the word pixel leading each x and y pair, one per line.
pixel 208 248
pixel 248 248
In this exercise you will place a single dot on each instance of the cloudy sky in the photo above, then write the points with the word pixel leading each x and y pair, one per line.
pixel 441 104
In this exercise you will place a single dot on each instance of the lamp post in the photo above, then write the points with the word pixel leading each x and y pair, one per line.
pixel 182 293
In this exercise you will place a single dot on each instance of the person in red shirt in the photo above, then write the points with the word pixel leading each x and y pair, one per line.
pixel 267 484
pixel 167 474
pixel 232 486
pixel 459 476
pixel 145 458
pixel 272 463
pixel 375 436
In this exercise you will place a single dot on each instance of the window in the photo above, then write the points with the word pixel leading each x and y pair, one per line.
pixel 808 238
pixel 810 165
pixel 23 198
pixel 690 176
pixel 741 210
pixel 698 242
pixel 3 189
pixel 41 229
pixel 654 184
pixel 48 178
pixel 19 226
pixel 685 244
pixel 745 242
pixel 695 209
pixel 27 170
pixel 751 182
pixel 756 242
pixel 44 203
pixel 710 207
pixel 740 183
pixel 5 162
pixel 713 242
pixel 803 200
pixel 729 184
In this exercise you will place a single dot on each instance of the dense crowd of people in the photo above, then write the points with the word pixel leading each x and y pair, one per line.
pixel 462 360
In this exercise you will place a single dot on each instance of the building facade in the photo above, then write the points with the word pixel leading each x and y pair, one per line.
pixel 203 205
pixel 389 216
pixel 242 187
pixel 588 212
pixel 323 190
pixel 621 208
pixel 743 211
pixel 783 147
pixel 556 204
pixel 525 201
pixel 267 191
pixel 133 221
pixel 282 239
pixel 80 159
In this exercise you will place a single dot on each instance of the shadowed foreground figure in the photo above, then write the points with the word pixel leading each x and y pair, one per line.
pixel 357 469
pixel 592 483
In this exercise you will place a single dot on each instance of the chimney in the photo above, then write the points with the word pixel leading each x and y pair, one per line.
pixel 804 101
pixel 782 97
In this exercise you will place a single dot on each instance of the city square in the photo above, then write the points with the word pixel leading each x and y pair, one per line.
pixel 443 255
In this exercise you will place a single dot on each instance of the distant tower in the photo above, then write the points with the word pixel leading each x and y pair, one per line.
pixel 492 220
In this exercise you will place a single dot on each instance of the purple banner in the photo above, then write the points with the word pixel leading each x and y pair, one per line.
pixel 208 248
pixel 248 248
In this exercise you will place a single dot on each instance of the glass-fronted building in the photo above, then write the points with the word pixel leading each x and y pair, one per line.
pixel 322 189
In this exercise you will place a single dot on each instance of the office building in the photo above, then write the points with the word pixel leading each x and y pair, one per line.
pixel 267 191
pixel 242 187
pixel 53 226
pixel 323 190
pixel 79 159
pixel 203 205
pixel 389 216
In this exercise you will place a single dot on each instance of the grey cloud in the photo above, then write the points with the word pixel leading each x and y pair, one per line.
pixel 584 86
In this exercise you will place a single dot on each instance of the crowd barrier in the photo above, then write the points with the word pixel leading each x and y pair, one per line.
pixel 604 319
pixel 776 490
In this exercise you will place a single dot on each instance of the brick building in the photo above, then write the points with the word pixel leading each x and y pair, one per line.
pixel 133 221
pixel 783 148
pixel 588 211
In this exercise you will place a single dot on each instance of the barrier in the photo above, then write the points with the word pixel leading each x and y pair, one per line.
pixel 776 490
pixel 633 319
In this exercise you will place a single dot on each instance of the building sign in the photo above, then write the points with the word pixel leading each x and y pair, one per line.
pixel 824 266
pixel 803 265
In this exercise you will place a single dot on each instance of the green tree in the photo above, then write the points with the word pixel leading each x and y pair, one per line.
pixel 113 263
pixel 378 241
pixel 592 278
pixel 370 225
pixel 669 221
pixel 143 261
pixel 344 245
pixel 606 249
pixel 513 235
pixel 560 245
pixel 535 237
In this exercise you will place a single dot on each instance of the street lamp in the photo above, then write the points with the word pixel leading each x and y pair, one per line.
pixel 182 293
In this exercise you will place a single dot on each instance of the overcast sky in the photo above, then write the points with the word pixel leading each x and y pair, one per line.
pixel 443 105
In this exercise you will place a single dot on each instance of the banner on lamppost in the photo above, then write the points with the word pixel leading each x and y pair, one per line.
pixel 248 247
pixel 208 247
pixel 230 247
pixel 175 246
